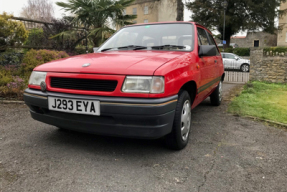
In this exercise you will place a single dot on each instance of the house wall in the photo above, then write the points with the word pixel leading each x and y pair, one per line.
pixel 265 67
pixel 152 15
pixel 265 40
pixel 159 10
pixel 167 10
pixel 282 34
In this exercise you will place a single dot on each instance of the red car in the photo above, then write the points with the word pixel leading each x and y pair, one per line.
pixel 141 83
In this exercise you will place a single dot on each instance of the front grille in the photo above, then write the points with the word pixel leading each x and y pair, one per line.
pixel 84 84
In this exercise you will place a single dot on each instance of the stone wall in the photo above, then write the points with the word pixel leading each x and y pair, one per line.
pixel 267 68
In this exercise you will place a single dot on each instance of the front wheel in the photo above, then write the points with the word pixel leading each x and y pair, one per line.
pixel 216 96
pixel 244 68
pixel 179 136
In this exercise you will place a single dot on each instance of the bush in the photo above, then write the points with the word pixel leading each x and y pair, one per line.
pixel 238 51
pixel 14 89
pixel 242 51
pixel 12 32
pixel 36 37
pixel 10 58
pixel 275 50
pixel 33 58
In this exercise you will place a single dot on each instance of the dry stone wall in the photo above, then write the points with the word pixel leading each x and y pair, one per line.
pixel 267 68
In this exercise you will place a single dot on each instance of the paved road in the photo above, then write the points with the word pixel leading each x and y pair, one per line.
pixel 225 153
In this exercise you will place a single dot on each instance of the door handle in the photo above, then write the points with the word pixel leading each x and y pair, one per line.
pixel 215 61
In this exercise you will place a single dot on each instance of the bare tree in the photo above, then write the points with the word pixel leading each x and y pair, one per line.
pixel 42 10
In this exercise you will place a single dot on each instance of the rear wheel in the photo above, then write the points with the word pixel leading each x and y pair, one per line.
pixel 216 96
pixel 179 136
pixel 244 68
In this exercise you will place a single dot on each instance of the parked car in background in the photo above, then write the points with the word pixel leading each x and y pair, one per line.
pixel 232 61
pixel 143 82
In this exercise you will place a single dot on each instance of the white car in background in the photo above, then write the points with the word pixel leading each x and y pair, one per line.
pixel 232 61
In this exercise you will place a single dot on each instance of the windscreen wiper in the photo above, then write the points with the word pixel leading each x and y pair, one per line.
pixel 168 46
pixel 133 47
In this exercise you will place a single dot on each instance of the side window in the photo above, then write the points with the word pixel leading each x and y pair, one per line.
pixel 229 56
pixel 202 36
pixel 212 42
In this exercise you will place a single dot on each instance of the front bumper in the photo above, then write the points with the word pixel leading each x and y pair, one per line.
pixel 126 117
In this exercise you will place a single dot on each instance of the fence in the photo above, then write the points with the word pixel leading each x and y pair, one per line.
pixel 234 76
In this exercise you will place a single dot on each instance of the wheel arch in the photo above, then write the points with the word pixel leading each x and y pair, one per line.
pixel 191 88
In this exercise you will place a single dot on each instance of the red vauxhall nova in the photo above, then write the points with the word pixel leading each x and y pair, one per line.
pixel 141 83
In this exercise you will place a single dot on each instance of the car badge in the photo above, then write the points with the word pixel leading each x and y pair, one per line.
pixel 86 65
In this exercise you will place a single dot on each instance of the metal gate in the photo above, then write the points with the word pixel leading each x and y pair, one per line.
pixel 234 76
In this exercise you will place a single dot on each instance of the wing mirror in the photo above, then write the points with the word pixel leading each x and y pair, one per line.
pixel 207 50
pixel 236 58
pixel 95 49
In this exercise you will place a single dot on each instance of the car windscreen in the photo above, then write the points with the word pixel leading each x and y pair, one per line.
pixel 175 36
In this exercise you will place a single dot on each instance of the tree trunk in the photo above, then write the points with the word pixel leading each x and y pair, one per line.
pixel 179 10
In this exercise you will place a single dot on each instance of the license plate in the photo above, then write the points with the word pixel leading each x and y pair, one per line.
pixel 88 107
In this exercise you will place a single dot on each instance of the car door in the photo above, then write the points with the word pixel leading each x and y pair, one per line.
pixel 224 61
pixel 207 71
pixel 230 61
pixel 216 58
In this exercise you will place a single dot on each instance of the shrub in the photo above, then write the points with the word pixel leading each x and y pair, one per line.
pixel 36 37
pixel 238 51
pixel 33 58
pixel 242 51
pixel 5 78
pixel 14 89
pixel 12 32
pixel 10 58
pixel 274 50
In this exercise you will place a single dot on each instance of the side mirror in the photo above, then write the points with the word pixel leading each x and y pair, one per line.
pixel 236 58
pixel 95 49
pixel 207 50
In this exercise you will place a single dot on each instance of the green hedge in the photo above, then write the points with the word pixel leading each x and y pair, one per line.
pixel 238 51
pixel 275 50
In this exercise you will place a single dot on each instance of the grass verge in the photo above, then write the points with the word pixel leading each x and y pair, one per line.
pixel 263 100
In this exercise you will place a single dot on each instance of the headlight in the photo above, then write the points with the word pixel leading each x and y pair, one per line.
pixel 143 84
pixel 37 77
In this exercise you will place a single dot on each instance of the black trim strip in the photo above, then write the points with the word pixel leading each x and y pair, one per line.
pixel 207 85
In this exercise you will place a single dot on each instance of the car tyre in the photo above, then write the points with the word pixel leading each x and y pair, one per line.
pixel 216 96
pixel 244 68
pixel 179 136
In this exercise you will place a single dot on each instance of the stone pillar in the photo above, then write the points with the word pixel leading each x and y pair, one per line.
pixel 256 58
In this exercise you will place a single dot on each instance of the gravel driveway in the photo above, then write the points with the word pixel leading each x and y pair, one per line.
pixel 225 153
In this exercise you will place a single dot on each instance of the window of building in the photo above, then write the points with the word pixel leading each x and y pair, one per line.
pixel 134 11
pixel 124 12
pixel 286 38
pixel 256 43
pixel 145 10
pixel 146 21
pixel 134 22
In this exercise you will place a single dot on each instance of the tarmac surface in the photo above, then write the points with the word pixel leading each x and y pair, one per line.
pixel 225 153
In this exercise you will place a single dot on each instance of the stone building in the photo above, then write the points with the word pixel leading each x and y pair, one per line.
pixel 282 33
pixel 148 11
pixel 255 39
